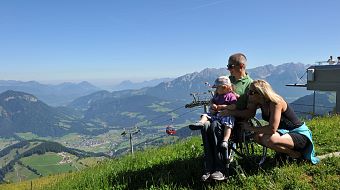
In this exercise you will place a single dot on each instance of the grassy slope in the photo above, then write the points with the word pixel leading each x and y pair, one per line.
pixel 326 132
pixel 20 173
pixel 179 166
pixel 10 156
pixel 45 164
pixel 48 163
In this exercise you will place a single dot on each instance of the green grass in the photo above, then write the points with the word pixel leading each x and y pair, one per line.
pixel 159 107
pixel 4 142
pixel 12 154
pixel 144 168
pixel 179 166
pixel 48 164
pixel 326 133
pixel 27 135
pixel 20 173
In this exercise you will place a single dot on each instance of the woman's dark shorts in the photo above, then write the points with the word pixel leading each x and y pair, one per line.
pixel 300 141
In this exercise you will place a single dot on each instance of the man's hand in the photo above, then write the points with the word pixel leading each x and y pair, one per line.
pixel 214 107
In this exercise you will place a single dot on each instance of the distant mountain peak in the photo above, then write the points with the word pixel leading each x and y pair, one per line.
pixel 52 94
pixel 85 83
pixel 127 84
pixel 24 97
pixel 124 82
pixel 10 95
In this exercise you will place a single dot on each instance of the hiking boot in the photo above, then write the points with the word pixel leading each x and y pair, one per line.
pixel 196 126
pixel 205 176
pixel 217 176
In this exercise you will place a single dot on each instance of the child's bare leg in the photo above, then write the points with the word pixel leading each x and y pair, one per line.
pixel 227 133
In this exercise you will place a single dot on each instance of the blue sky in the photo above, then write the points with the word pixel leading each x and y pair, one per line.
pixel 106 41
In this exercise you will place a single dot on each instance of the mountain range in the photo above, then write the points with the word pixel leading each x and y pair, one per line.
pixel 278 76
pixel 64 93
pixel 21 112
pixel 180 88
pixel 323 104
pixel 54 95
pixel 127 84
pixel 150 106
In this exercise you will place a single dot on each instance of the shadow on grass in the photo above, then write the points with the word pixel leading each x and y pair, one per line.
pixel 175 174
pixel 180 174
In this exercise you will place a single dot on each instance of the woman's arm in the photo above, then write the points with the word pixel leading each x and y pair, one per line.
pixel 247 113
pixel 275 116
pixel 274 120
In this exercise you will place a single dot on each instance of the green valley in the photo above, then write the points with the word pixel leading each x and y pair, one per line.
pixel 36 158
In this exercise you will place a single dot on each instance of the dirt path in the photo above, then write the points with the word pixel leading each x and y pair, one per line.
pixel 333 154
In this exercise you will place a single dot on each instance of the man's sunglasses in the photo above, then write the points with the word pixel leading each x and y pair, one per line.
pixel 231 66
pixel 252 92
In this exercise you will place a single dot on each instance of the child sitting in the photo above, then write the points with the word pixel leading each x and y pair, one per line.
pixel 224 98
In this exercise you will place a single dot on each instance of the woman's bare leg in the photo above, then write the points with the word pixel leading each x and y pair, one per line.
pixel 283 144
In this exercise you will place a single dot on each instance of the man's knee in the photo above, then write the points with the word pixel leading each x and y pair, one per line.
pixel 259 138
pixel 206 126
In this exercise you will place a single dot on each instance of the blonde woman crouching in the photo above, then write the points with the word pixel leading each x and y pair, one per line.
pixel 285 133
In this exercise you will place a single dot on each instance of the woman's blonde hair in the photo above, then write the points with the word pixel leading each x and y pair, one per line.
pixel 263 87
